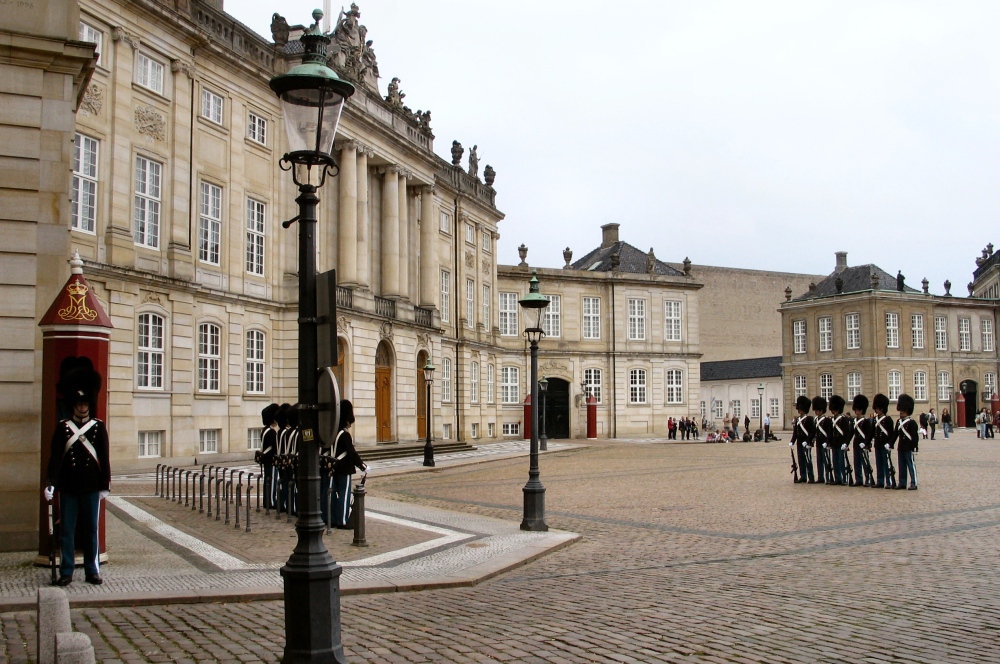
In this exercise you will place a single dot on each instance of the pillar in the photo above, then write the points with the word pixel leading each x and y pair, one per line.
pixel 390 231
pixel 347 263
pixel 428 255
pixel 404 239
pixel 363 222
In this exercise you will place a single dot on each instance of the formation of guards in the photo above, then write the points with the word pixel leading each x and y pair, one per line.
pixel 842 444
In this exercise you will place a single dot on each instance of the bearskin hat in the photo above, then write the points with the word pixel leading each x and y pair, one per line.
pixel 293 416
pixel 819 403
pixel 281 417
pixel 860 403
pixel 79 382
pixel 346 414
pixel 802 404
pixel 881 403
pixel 837 403
pixel 905 404
pixel 267 415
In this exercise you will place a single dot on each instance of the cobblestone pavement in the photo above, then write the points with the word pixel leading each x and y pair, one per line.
pixel 704 553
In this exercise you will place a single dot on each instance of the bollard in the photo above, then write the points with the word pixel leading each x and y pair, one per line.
pixel 228 487
pixel 74 648
pixel 53 617
pixel 258 494
pixel 291 488
pixel 217 488
pixel 156 487
pixel 209 491
pixel 201 493
pixel 177 490
pixel 187 477
pixel 249 484
pixel 163 484
pixel 358 515
pixel 194 481
pixel 239 504
pixel 240 481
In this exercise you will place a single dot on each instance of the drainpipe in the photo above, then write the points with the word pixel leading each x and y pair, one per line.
pixel 614 373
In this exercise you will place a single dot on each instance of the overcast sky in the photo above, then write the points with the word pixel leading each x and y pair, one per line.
pixel 757 134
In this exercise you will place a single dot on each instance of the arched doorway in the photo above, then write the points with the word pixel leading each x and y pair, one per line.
pixel 340 371
pixel 421 396
pixel 970 390
pixel 557 409
pixel 383 393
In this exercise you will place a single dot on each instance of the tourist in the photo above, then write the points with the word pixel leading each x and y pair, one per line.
pixel 946 421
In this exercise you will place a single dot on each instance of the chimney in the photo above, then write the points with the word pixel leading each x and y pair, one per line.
pixel 610 235
pixel 841 261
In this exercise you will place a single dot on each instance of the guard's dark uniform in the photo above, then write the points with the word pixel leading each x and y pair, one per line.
pixel 864 430
pixel 822 439
pixel 907 442
pixel 883 436
pixel 268 450
pixel 803 431
pixel 840 436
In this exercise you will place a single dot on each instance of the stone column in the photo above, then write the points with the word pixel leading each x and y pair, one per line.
pixel 428 255
pixel 363 222
pixel 118 236
pixel 413 245
pixel 390 231
pixel 404 239
pixel 347 263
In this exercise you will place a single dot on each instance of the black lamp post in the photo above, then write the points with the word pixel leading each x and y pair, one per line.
pixel 428 446
pixel 312 98
pixel 534 304
pixel 760 401
pixel 543 439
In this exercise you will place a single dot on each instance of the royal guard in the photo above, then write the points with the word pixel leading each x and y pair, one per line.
pixel 803 430
pixel 840 436
pixel 883 440
pixel 864 430
pixel 268 450
pixel 824 469
pixel 907 442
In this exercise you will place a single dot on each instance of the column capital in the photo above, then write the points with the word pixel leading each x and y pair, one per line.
pixel 389 169
pixel 347 146
pixel 428 189
pixel 184 67
pixel 120 34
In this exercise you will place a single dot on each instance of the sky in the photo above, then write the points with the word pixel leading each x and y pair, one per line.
pixel 763 135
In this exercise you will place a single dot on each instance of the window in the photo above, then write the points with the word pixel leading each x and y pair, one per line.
pixel 490 383
pixel 944 386
pixel 512 428
pixel 636 320
pixel 84 213
pixel 825 334
pixel 754 408
pixel 255 362
pixel 149 73
pixel 717 408
pixel 491 429
pixel 989 385
pixel 920 386
pixel 470 303
pixel 149 444
pixel 88 33
pixel 552 320
pixel 637 386
pixel 853 385
pixel 444 222
pixel 964 335
pixel 210 223
pixel 508 314
pixel 487 303
pixel 208 441
pixel 773 405
pixel 701 409
pixel 799 336
pixel 826 385
pixel 675 386
pixel 209 357
pixel 510 387
pixel 987 335
pixel 147 202
pixel 736 406
pixel 257 129
pixel 475 430
pixel 474 383
pixel 799 386
pixel 940 333
pixel 591 318
pixel 256 213
pixel 487 242
pixel 853 322
pixel 150 355
pixel 446 431
pixel 211 106
pixel 254 437
pixel 592 383
pixel 470 234
pixel 892 330
pixel 672 316
pixel 895 385
pixel 917 330
pixel 445 296
pixel 446 380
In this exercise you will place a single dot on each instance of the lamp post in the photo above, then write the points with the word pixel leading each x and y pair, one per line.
pixel 760 401
pixel 543 440
pixel 312 98
pixel 534 304
pixel 428 443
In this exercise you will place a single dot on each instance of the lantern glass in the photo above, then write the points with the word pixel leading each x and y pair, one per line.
pixel 311 118
pixel 429 371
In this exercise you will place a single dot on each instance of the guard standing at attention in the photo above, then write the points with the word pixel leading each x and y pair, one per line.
pixel 822 440
pixel 803 430
pixel 863 432
pixel 907 442
pixel 268 450
pixel 883 441
pixel 840 436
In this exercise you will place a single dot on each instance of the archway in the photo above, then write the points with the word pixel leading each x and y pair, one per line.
pixel 421 396
pixel 340 371
pixel 970 390
pixel 383 393
pixel 557 409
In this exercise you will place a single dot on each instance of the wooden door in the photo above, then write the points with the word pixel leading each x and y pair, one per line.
pixel 421 397
pixel 383 404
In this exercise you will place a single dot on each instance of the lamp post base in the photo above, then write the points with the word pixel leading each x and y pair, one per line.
pixel 428 454
pixel 534 509
pixel 312 611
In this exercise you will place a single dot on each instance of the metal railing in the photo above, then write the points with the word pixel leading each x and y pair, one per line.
pixel 345 298
pixel 385 307
pixel 422 316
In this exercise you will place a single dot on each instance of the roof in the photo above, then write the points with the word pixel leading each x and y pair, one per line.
pixel 754 367
pixel 631 261
pixel 857 278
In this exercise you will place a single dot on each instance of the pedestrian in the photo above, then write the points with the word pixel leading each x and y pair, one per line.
pixel 821 439
pixel 932 421
pixel 981 424
pixel 268 450
pixel 736 426
pixel 767 428
pixel 683 426
pixel 346 461
pixel 907 442
pixel 925 423
pixel 746 423
pixel 994 422
pixel 803 431
pixel 883 441
pixel 671 429
pixel 946 421
pixel 80 471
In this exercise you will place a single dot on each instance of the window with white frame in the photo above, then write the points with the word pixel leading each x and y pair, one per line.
pixel 825 334
pixel 895 385
pixel 717 408
pixel 892 330
pixel 210 223
pixel 149 444
pixel 940 333
pixel 592 383
pixel 445 296
pixel 510 387
pixel 446 432
pixel 774 406
pixel 257 128
pixel 508 314
pixel 672 320
pixel 149 359
pixel 674 379
pixel 989 384
pixel 89 33
pixel 470 234
pixel 444 222
pixel 988 342
pixel 208 441
pixel 799 386
pixel 917 330
pixel 474 382
pixel 149 73
pixel 964 335
pixel 591 318
pixel 255 436
pixel 470 303
pixel 637 386
pixel 920 386
pixel 446 380
pixel 211 106
pixel 736 406
pixel 487 305
pixel 512 428
pixel 475 429
pixel 146 213
pixel 491 430
pixel 255 362
pixel 799 336
pixel 636 319
pixel 487 242
pixel 754 408
pixel 701 409
pixel 490 383
pixel 256 214
pixel 552 320
pixel 209 357
pixel 944 385
pixel 853 385
pixel 853 325
pixel 84 201
pixel 826 385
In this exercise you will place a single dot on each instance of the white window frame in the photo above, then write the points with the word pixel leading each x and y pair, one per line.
pixel 826 385
pixel 209 223
pixel 989 384
pixel 209 358
pixel 86 158
pixel 891 329
pixel 255 438
pixel 852 323
pixel 89 33
pixel 475 430
pixel 920 386
pixel 150 330
pixel 636 319
pixel 490 383
pixel 445 296
pixel 895 382
pixel 150 444
pixel 944 385
pixel 672 320
pixel 673 380
pixel 717 408
pixel 446 380
pixel 474 382
pixel 798 336
pixel 755 408
pixel 989 342
pixel 444 222
pixel 470 234
pixel 774 406
pixel 146 204
pixel 491 430
pixel 552 319
pixel 591 317
pixel 701 409
pixel 511 428
pixel 853 385
pixel 965 335
pixel 487 307
pixel 255 361
pixel 211 106
pixel 592 380
pixel 256 225
pixel 487 242
pixel 508 314
pixel 510 385
pixel 149 73
pixel 470 303
pixel 825 334
pixel 208 441
pixel 257 128
pixel 799 388
pixel 737 407
pixel 940 333
pixel 917 330
pixel 637 392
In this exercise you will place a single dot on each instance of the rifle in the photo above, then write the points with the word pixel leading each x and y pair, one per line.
pixel 847 466
pixel 795 466
pixel 866 465
pixel 890 469
pixel 52 546
pixel 828 456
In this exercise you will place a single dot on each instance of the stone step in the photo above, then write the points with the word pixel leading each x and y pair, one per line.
pixel 402 451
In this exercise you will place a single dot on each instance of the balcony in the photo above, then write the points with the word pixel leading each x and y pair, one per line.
pixel 422 316
pixel 385 307
pixel 345 298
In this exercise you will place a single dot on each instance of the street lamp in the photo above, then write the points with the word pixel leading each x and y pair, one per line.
pixel 534 304
pixel 760 401
pixel 428 446
pixel 312 98
pixel 543 387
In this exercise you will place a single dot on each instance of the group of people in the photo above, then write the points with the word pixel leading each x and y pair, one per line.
pixel 688 428
pixel 986 423
pixel 832 436
pixel 279 455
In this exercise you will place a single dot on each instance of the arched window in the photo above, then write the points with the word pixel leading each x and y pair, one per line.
pixel 446 380
pixel 255 362
pixel 149 359
pixel 474 383
pixel 209 357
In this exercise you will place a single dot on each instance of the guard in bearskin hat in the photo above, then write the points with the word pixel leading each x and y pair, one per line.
pixel 346 460
pixel 864 430
pixel 824 430
pixel 279 484
pixel 840 436
pixel 80 470
pixel 803 430
pixel 268 450
pixel 907 442
pixel 883 440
